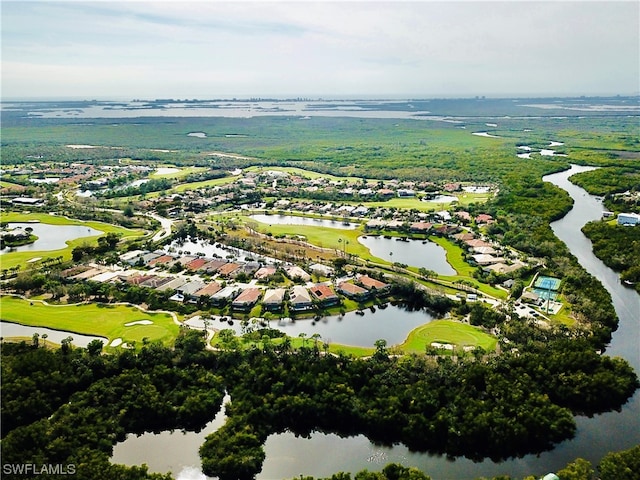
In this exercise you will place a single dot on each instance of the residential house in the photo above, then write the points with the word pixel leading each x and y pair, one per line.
pixel 221 297
pixel 355 292
pixel 628 219
pixel 196 264
pixel 420 227
pixel 273 299
pixel 324 295
pixel 228 268
pixel 190 288
pixel 483 218
pixel 373 285
pixel 294 272
pixel 247 299
pixel 299 298
pixel 208 290
pixel 172 285
pixel 213 265
pixel 161 260
pixel 484 259
pixel 264 272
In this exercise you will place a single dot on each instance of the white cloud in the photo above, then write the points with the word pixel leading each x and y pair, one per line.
pixel 429 48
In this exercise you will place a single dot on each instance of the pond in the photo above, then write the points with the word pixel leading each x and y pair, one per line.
pixel 51 237
pixel 8 329
pixel 312 222
pixel 392 324
pixel 414 253
pixel 183 462
pixel 203 247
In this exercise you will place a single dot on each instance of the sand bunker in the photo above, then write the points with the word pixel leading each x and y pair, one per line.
pixel 139 322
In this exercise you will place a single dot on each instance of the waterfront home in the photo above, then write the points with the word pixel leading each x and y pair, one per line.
pixel 353 291
pixel 222 296
pixel 373 285
pixel 420 227
pixel 190 288
pixel 628 219
pixel 273 299
pixel 228 268
pixel 299 298
pixel 247 299
pixel 208 290
pixel 324 295
pixel 196 264
pixel 212 266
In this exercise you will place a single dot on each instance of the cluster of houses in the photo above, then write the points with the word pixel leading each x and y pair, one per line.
pixel 241 297
pixel 487 255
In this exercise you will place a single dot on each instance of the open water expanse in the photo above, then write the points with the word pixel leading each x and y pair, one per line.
pixel 8 329
pixel 309 221
pixel 414 253
pixel 51 237
pixel 322 454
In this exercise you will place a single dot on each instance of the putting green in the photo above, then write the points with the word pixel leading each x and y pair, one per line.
pixel 447 331
pixel 91 319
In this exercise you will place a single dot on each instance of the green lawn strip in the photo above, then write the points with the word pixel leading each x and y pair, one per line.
pixel 60 220
pixel 306 173
pixel 91 319
pixel 4 184
pixel 324 237
pixel 205 183
pixel 465 271
pixel 447 332
pixel 297 342
pixel 454 258
pixel 182 187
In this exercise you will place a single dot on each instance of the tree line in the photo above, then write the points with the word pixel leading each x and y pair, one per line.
pixel 72 405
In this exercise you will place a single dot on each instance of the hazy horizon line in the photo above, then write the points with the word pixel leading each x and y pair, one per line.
pixel 298 97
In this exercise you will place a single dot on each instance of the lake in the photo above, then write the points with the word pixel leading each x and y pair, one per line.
pixel 203 247
pixel 51 237
pixel 8 329
pixel 414 253
pixel 312 222
pixel 392 324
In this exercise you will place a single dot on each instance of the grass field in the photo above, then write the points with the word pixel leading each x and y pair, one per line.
pixel 447 331
pixel 91 319
pixel 307 173
pixel 12 259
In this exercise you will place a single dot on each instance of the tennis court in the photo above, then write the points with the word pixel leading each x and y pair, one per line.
pixel 546 294
pixel 547 283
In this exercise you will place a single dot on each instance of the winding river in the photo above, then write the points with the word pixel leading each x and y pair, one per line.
pixel 323 455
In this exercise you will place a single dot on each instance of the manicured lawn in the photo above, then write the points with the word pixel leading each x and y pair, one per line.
pixel 305 173
pixel 91 319
pixel 323 237
pixel 447 331
pixel 4 184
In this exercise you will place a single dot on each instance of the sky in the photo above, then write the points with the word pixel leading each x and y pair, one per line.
pixel 364 49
